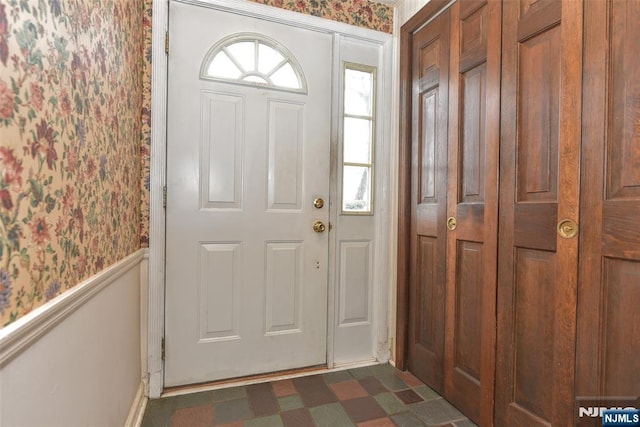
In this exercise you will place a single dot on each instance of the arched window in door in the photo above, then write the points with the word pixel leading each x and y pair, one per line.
pixel 254 60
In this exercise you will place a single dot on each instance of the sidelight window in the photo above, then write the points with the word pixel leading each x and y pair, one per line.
pixel 358 130
pixel 253 60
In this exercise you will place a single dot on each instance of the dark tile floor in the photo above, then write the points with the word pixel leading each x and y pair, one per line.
pixel 374 396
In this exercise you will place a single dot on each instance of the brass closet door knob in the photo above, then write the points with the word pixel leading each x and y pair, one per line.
pixel 567 228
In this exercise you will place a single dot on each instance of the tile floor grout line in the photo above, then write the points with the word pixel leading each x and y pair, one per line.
pixel 349 396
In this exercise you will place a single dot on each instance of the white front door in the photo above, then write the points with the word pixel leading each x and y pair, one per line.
pixel 246 273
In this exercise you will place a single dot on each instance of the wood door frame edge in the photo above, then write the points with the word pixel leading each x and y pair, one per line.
pixel 429 12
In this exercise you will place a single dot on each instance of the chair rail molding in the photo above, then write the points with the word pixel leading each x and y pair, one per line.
pixel 19 335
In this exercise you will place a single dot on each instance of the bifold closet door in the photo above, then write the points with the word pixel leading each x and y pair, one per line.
pixel 429 96
pixel 474 123
pixel 539 194
pixel 608 363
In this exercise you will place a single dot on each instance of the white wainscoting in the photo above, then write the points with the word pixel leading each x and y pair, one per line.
pixel 76 360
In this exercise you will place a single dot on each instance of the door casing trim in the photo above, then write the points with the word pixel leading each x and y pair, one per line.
pixel 159 86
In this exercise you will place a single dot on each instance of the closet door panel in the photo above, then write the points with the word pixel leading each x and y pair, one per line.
pixel 430 89
pixel 472 199
pixel 620 371
pixel 609 292
pixel 539 186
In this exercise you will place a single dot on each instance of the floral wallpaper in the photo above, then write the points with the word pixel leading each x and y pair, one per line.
pixel 362 13
pixel 145 145
pixel 70 130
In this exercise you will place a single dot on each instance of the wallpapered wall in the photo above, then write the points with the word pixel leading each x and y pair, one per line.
pixel 362 13
pixel 145 145
pixel 70 129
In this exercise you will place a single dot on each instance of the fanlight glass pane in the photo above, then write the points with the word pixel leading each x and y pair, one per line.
pixel 358 89
pixel 356 189
pixel 245 54
pixel 268 58
pixel 251 58
pixel 357 140
pixel 286 77
pixel 222 66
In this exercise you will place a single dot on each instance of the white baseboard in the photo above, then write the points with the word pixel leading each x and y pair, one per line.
pixel 136 413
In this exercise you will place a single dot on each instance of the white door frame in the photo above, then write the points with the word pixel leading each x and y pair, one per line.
pixel 385 183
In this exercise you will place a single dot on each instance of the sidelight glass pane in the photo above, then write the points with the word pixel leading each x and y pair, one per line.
pixel 356 189
pixel 358 98
pixel 357 140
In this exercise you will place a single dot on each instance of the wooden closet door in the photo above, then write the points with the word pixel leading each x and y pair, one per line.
pixel 608 352
pixel 474 123
pixel 539 187
pixel 430 75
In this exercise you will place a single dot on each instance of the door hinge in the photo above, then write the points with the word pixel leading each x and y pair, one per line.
pixel 164 196
pixel 166 42
pixel 162 348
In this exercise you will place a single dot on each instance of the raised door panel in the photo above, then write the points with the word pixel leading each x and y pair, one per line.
pixel 355 283
pixel 623 154
pixel 426 313
pixel 534 332
pixel 539 185
pixel 429 96
pixel 428 142
pixel 286 137
pixel 620 320
pixel 221 146
pixel 468 296
pixel 538 104
pixel 219 297
pixel 609 292
pixel 284 267
pixel 474 120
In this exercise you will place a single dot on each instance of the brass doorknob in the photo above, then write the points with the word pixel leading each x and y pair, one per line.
pixel 319 227
pixel 567 228
pixel 318 203
pixel 452 223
